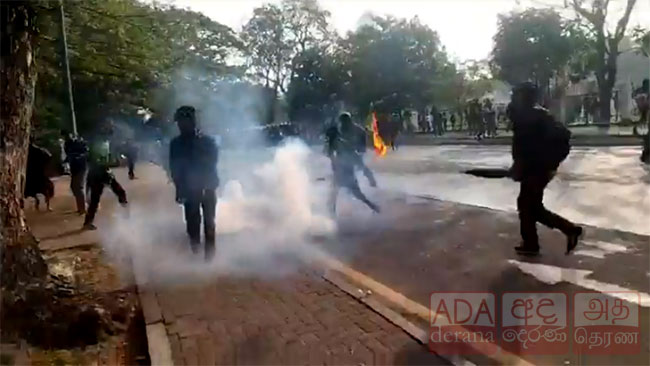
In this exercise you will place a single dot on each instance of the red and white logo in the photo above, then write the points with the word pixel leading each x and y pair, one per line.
pixel 535 323
pixel 603 323
pixel 463 323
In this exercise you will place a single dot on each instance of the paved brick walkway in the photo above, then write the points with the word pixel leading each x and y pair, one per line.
pixel 302 319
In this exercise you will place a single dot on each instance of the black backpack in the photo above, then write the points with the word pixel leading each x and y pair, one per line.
pixel 557 139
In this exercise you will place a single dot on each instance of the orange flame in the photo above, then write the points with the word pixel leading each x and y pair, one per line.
pixel 377 141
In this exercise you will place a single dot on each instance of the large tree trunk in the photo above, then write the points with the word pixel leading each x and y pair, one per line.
pixel 21 259
pixel 33 307
pixel 605 89
pixel 604 92
pixel 604 97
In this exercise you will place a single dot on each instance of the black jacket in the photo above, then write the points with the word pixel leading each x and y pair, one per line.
pixel 529 140
pixel 76 154
pixel 193 163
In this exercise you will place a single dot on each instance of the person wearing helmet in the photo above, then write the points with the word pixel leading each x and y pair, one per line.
pixel 193 166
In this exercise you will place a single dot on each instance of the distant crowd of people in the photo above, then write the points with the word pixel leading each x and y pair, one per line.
pixel 479 119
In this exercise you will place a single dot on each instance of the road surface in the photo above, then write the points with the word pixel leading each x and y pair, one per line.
pixel 461 237
pixel 605 187
pixel 439 230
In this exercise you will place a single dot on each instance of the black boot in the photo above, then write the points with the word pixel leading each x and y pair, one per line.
pixel 573 238
pixel 527 250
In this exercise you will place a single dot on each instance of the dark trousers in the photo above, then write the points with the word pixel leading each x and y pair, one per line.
pixel 531 210
pixel 645 153
pixel 130 162
pixel 205 200
pixel 491 127
pixel 77 178
pixel 96 189
pixel 365 170
pixel 344 177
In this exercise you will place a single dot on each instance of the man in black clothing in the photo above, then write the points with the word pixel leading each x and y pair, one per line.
pixel 536 158
pixel 36 175
pixel 100 176
pixel 193 164
pixel 489 117
pixel 131 154
pixel 76 155
pixel 343 149
pixel 642 98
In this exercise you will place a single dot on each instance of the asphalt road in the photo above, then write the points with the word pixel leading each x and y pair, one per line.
pixel 420 246
pixel 606 187
pixel 439 230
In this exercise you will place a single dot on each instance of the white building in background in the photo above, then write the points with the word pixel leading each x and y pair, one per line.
pixel 632 68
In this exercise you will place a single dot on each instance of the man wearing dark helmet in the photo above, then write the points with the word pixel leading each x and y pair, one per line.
pixel 193 164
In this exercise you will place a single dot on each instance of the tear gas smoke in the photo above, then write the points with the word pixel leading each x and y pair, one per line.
pixel 263 223
pixel 269 206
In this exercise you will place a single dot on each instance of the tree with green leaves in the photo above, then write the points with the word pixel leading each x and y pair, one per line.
pixel 34 307
pixel 531 45
pixel 276 35
pixel 123 57
pixel 393 64
pixel 595 15
pixel 319 79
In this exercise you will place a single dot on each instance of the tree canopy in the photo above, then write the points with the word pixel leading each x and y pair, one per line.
pixel 530 45
pixel 388 64
pixel 122 53
pixel 593 14
pixel 127 56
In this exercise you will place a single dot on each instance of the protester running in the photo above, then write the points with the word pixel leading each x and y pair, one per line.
pixel 342 148
pixel 539 145
pixel 100 176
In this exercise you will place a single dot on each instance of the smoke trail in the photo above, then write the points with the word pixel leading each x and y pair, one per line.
pixel 269 205
pixel 261 224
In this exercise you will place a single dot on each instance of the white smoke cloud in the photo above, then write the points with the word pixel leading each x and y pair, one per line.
pixel 270 203
pixel 264 225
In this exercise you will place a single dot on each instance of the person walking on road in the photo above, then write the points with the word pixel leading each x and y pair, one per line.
pixel 193 161
pixel 76 155
pixel 539 145
pixel 342 148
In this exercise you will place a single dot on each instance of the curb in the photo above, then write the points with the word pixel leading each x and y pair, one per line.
pixel 374 297
pixel 368 299
pixel 160 351
pixel 377 290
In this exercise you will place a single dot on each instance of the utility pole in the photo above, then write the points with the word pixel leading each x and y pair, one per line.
pixel 67 70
